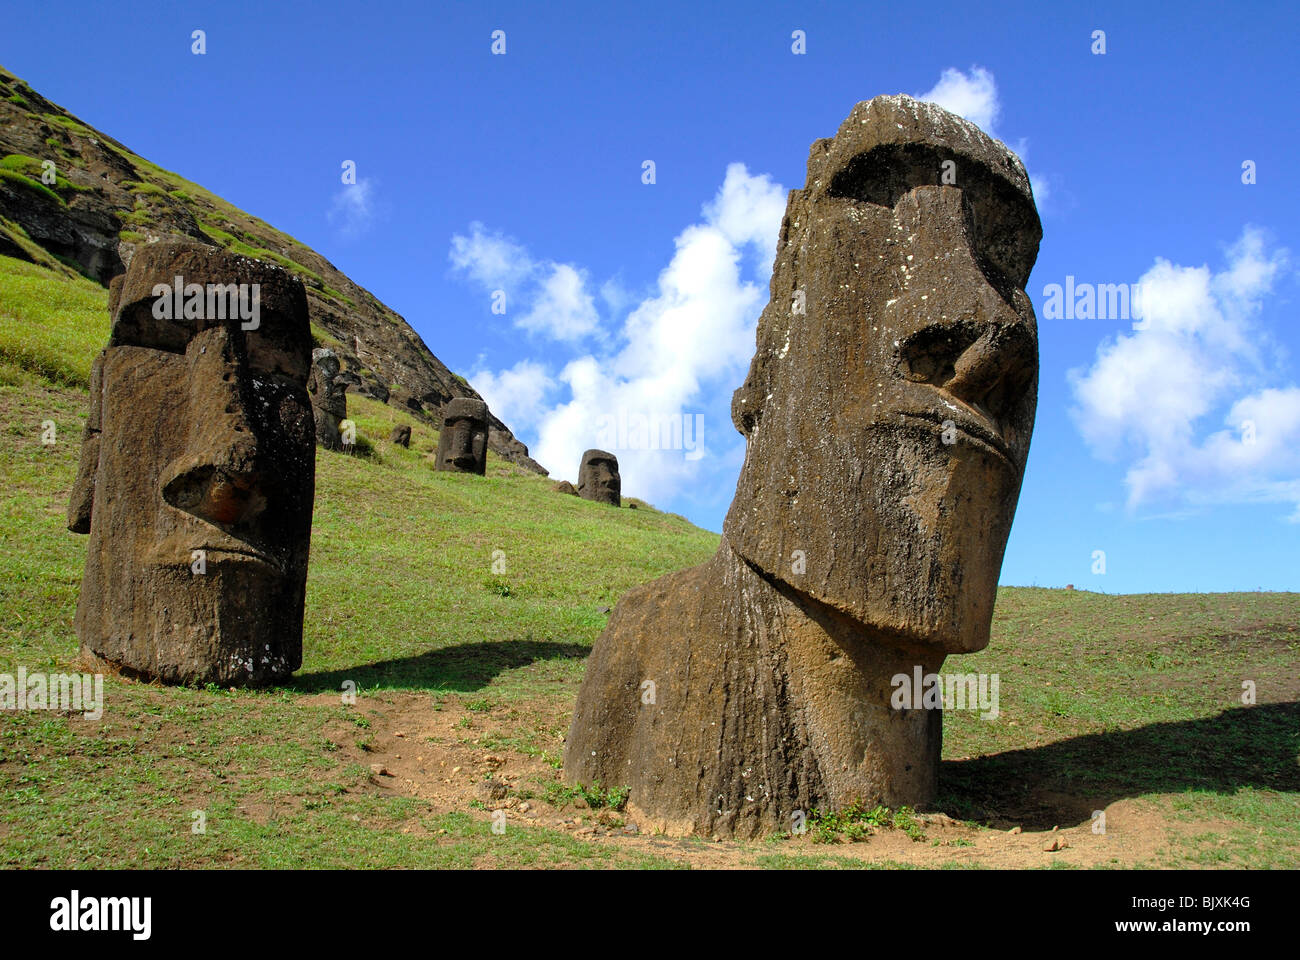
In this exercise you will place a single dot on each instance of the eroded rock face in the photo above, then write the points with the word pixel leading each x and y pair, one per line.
pixel 598 478
pixel 463 442
pixel 401 435
pixel 329 397
pixel 197 476
pixel 888 411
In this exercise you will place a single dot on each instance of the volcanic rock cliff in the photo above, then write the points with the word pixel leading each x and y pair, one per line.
pixel 106 202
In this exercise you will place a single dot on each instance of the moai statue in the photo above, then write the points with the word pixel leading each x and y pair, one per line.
pixel 564 486
pixel 329 398
pixel 887 411
pixel 402 435
pixel 198 471
pixel 462 443
pixel 598 478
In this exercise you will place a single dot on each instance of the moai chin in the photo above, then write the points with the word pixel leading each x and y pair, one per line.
pixel 463 440
pixel 887 412
pixel 598 478
pixel 329 399
pixel 197 472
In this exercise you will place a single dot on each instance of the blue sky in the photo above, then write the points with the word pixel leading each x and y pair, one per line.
pixel 523 172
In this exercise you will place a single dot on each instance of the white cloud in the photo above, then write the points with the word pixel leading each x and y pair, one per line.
pixel 517 394
pixel 681 350
pixel 563 308
pixel 971 95
pixel 495 261
pixel 1197 351
pixel 353 208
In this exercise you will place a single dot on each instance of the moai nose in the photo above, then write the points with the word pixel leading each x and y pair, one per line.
pixel 217 478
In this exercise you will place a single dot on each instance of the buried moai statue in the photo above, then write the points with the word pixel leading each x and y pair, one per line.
pixel 329 399
pixel 197 473
pixel 463 440
pixel 401 435
pixel 598 478
pixel 887 412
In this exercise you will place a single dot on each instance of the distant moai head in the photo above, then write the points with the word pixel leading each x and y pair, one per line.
pixel 462 443
pixel 598 478
pixel 198 471
pixel 329 398
pixel 889 405
pixel 401 435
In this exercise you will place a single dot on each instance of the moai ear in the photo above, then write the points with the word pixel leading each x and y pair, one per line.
pixel 747 401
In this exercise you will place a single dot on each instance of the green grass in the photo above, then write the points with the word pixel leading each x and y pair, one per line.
pixel 32 186
pixel 1102 698
pixel 51 326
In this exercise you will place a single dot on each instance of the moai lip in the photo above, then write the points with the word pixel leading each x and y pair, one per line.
pixel 197 475
pixel 462 443
pixel 887 412
pixel 598 478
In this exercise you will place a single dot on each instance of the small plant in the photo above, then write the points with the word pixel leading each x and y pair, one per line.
pixel 479 706
pixel 855 823
pixel 497 585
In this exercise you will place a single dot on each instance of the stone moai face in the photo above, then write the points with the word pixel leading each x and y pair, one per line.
pixel 462 444
pixel 889 405
pixel 197 472
pixel 598 478
pixel 329 398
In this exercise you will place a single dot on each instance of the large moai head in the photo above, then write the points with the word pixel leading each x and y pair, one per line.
pixel 598 478
pixel 329 398
pixel 463 441
pixel 890 402
pixel 198 471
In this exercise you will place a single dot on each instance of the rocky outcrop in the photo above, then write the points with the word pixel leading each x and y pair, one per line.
pixel 107 203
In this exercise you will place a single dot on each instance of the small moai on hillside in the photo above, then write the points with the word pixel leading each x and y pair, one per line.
pixel 887 413
pixel 197 472
pixel 598 478
pixel 401 435
pixel 463 441
pixel 329 399
pixel 564 486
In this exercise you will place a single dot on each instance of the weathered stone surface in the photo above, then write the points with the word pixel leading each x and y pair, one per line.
pixel 564 486
pixel 329 398
pixel 598 478
pixel 196 479
pixel 401 435
pixel 888 411
pixel 463 441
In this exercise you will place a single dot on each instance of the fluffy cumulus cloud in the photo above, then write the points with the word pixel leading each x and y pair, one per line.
pixel 353 208
pixel 560 305
pixel 1185 398
pixel 658 395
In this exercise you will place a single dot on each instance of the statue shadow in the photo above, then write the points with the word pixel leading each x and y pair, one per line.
pixel 462 668
pixel 1062 783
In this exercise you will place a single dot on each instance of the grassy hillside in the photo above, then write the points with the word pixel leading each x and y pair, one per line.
pixel 105 202
pixel 466 677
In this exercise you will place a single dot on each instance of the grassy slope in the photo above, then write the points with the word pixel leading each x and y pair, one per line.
pixel 1103 698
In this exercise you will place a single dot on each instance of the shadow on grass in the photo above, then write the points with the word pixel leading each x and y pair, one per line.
pixel 1064 782
pixel 456 669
